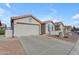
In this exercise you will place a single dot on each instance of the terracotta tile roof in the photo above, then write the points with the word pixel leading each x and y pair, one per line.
pixel 24 16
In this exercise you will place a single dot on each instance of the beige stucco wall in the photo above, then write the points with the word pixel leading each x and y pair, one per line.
pixel 27 29
pixel 55 32
pixel 27 20
pixel 61 27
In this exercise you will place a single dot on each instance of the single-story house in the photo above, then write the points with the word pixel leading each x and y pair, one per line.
pixel 47 26
pixel 59 26
pixel 25 25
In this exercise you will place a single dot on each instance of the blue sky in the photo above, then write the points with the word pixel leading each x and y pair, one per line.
pixel 67 13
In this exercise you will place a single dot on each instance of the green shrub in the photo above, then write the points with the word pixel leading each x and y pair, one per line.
pixel 2 31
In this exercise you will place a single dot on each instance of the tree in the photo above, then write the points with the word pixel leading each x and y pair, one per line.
pixel 67 27
pixel 74 28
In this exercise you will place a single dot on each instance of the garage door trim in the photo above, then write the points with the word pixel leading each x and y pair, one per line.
pixel 29 24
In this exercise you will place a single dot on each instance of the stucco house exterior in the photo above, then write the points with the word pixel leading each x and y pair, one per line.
pixel 59 26
pixel 25 25
pixel 47 26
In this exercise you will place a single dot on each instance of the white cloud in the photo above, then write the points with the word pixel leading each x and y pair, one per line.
pixel 8 5
pixel 45 17
pixel 5 16
pixel 50 17
pixel 55 20
pixel 2 11
pixel 53 11
pixel 75 23
pixel 1 15
pixel 75 16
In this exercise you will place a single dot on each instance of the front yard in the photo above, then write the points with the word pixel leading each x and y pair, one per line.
pixel 72 37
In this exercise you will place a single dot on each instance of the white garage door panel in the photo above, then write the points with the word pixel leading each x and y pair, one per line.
pixel 26 30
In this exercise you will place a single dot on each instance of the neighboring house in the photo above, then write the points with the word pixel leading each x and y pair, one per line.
pixel 47 26
pixel 59 26
pixel 25 25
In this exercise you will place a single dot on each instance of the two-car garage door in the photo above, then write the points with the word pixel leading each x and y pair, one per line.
pixel 26 29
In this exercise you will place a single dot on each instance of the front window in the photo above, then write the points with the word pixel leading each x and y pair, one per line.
pixel 50 27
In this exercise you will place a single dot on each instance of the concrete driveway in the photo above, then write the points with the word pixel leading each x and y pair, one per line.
pixel 2 37
pixel 43 45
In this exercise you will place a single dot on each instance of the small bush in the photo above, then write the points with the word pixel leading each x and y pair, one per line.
pixel 2 31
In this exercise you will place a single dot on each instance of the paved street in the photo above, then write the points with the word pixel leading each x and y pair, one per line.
pixel 42 45
pixel 75 50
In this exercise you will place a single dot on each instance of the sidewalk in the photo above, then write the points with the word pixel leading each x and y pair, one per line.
pixel 11 47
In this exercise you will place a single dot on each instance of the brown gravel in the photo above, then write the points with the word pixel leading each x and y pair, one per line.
pixel 11 47
pixel 71 38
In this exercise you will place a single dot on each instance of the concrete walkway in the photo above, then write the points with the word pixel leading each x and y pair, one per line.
pixel 11 47
pixel 2 37
pixel 42 45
